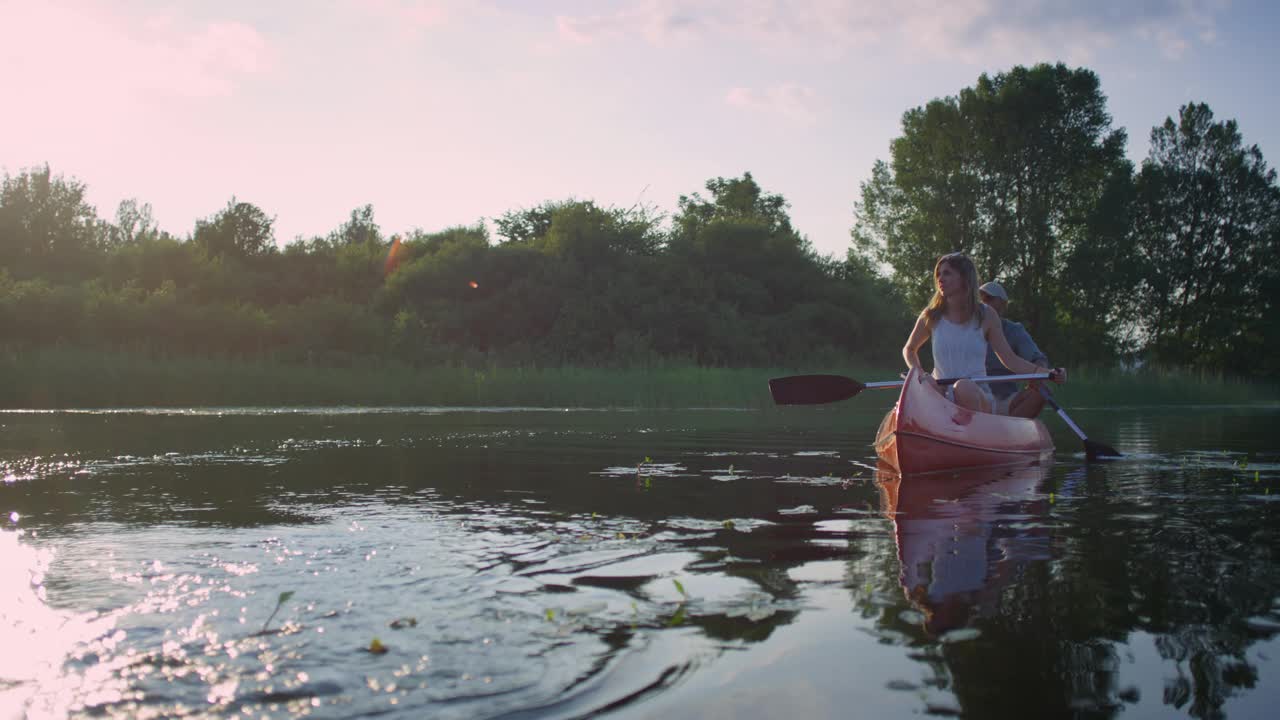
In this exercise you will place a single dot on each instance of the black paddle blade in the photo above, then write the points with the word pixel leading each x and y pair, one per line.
pixel 1094 450
pixel 813 389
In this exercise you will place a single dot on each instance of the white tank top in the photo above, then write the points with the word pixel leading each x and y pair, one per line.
pixel 958 350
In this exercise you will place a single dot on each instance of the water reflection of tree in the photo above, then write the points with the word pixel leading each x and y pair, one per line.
pixel 1187 560
pixel 1053 625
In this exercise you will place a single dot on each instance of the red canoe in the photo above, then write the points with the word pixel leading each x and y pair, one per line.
pixel 925 432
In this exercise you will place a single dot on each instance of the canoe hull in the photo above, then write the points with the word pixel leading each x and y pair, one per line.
pixel 924 432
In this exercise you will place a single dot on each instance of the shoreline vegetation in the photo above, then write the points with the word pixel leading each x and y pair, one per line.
pixel 1175 264
pixel 66 378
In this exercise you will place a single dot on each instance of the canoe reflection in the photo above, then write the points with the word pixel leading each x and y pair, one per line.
pixel 963 537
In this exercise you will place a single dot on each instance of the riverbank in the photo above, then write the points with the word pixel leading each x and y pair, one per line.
pixel 68 378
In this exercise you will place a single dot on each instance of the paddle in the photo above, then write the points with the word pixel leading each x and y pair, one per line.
pixel 1092 449
pixel 818 389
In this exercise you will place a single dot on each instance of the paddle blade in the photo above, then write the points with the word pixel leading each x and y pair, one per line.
pixel 1094 450
pixel 813 389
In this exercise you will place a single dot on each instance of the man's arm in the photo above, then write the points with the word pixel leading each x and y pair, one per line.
pixel 1022 344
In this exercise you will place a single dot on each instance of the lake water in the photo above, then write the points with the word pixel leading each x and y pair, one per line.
pixel 564 563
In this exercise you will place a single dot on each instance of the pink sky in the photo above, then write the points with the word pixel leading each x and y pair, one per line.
pixel 442 113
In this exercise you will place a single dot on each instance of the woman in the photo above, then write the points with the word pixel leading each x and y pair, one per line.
pixel 961 328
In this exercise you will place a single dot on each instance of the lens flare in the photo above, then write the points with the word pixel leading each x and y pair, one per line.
pixel 393 256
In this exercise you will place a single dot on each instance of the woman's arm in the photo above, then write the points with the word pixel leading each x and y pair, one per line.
pixel 911 351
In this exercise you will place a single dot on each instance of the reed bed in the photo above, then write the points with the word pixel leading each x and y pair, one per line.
pixel 69 378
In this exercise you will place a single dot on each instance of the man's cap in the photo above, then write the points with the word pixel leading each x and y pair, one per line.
pixel 994 290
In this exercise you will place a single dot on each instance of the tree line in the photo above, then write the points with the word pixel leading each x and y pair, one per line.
pixel 1173 263
pixel 727 281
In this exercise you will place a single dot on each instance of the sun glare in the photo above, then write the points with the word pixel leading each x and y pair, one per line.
pixel 34 682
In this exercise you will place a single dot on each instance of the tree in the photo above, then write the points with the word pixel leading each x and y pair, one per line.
pixel 358 229
pixel 586 232
pixel 767 295
pixel 583 230
pixel 734 199
pixel 46 225
pixel 1208 230
pixel 239 230
pixel 134 224
pixel 741 227
pixel 523 227
pixel 1021 172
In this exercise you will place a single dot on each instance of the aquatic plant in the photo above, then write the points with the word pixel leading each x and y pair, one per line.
pixel 280 601
pixel 677 618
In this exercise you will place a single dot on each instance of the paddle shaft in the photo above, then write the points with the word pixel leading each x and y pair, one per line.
pixel 886 384
pixel 1092 448
pixel 1065 418
pixel 818 389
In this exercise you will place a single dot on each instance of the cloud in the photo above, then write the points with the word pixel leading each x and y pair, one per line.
pixel 209 62
pixel 408 16
pixel 659 22
pixel 963 30
pixel 81 53
pixel 798 103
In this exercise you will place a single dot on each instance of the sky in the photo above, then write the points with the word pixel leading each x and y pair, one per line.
pixel 448 112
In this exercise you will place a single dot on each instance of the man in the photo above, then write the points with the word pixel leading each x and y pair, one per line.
pixel 1008 399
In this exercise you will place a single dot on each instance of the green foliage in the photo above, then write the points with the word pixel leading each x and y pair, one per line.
pixel 1025 174
pixel 134 224
pixel 573 283
pixel 334 329
pixel 1022 171
pixel 47 228
pixel 424 243
pixel 524 227
pixel 239 230
pixel 733 199
pixel 360 229
pixel 357 270
pixel 1208 218
pixel 582 231
pixel 151 260
pixel 39 312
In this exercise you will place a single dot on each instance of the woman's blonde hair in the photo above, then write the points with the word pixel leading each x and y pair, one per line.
pixel 963 266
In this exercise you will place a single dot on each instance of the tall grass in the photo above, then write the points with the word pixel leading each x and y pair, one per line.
pixel 1114 388
pixel 64 378
pixel 69 378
